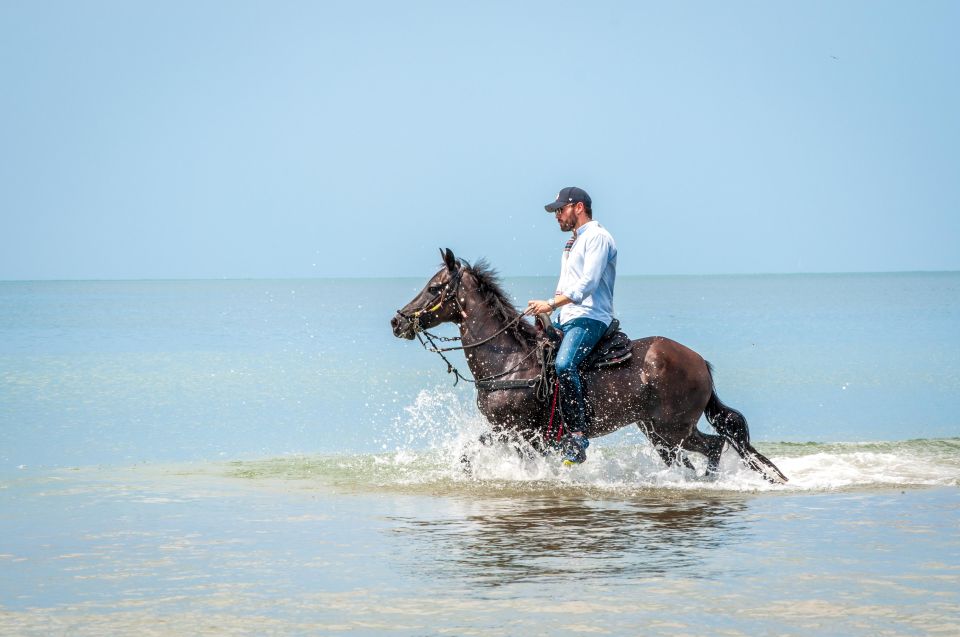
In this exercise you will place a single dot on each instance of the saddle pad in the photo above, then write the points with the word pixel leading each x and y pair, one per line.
pixel 614 347
pixel 612 350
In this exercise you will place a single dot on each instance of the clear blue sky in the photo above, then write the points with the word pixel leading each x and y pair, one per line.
pixel 305 139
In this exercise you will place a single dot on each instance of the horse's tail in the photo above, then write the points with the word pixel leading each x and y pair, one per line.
pixel 731 424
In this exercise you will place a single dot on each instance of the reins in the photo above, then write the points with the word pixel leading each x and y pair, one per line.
pixel 487 382
pixel 440 298
pixel 456 372
pixel 508 326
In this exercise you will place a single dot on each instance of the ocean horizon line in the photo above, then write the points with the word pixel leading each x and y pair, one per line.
pixel 200 279
pixel 502 275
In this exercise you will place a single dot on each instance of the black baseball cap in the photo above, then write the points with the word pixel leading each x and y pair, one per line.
pixel 570 194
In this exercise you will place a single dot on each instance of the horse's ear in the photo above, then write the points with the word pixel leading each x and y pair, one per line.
pixel 449 259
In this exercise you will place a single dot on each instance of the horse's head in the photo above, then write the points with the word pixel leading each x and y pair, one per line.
pixel 436 303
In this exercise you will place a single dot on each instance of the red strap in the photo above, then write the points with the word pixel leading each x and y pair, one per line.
pixel 553 410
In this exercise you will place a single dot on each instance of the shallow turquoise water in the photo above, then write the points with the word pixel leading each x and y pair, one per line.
pixel 257 457
pixel 405 544
pixel 120 372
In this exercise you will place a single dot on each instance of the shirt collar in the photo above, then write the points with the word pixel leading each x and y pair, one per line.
pixel 579 231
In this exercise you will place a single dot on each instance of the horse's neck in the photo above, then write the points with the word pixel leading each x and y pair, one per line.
pixel 499 353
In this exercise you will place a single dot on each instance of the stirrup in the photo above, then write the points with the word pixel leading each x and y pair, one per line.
pixel 574 449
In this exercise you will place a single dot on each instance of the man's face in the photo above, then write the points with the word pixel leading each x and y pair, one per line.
pixel 567 217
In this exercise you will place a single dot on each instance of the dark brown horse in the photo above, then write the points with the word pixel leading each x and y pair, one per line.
pixel 664 387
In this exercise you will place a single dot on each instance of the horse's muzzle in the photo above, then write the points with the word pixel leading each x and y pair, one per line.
pixel 402 327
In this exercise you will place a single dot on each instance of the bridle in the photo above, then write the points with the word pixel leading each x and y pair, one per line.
pixel 453 287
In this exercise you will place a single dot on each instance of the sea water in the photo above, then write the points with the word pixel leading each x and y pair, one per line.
pixel 259 457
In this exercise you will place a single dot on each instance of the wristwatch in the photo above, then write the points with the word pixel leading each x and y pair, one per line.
pixel 553 307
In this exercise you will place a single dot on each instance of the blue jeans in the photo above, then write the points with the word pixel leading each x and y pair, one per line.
pixel 579 337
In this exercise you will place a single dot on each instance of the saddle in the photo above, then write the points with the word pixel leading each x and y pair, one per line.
pixel 613 348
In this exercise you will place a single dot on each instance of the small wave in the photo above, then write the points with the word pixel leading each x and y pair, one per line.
pixel 819 466
pixel 424 452
pixel 623 469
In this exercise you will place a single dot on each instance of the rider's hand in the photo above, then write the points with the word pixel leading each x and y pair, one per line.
pixel 535 306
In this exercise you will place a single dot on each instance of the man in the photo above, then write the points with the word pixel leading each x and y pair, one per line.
pixel 585 298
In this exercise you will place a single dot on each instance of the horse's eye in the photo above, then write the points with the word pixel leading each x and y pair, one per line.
pixel 434 288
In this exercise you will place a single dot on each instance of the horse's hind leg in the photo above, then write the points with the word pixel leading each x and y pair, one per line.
pixel 669 451
pixel 707 444
pixel 731 424
pixel 669 455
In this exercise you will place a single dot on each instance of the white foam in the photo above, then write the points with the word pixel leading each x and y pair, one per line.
pixel 450 428
pixel 837 469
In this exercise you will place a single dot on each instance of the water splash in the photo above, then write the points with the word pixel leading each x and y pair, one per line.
pixel 437 419
pixel 434 448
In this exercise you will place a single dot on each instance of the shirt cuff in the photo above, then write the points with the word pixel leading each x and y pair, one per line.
pixel 574 295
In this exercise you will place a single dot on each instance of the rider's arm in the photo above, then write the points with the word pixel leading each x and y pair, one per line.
pixel 548 306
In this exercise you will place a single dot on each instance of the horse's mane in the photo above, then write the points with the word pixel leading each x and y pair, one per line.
pixel 491 290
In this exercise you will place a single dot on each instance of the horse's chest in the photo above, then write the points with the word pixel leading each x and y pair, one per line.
pixel 508 407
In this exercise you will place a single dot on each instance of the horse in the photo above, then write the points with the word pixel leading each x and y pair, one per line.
pixel 664 387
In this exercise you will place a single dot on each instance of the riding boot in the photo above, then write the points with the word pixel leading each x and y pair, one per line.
pixel 573 445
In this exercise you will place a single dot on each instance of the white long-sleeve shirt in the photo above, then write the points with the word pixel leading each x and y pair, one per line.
pixel 588 273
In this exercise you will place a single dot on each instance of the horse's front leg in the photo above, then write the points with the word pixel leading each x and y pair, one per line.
pixel 488 439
